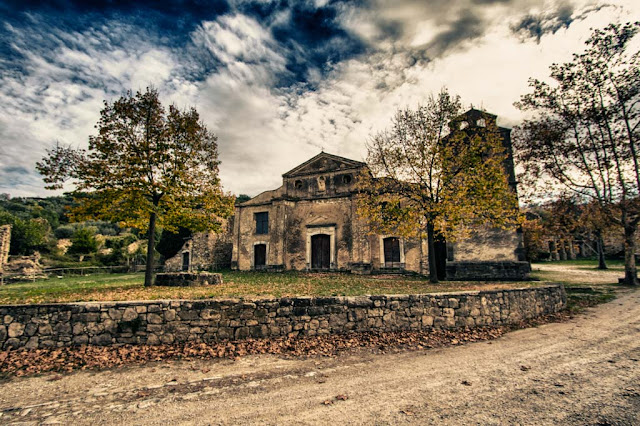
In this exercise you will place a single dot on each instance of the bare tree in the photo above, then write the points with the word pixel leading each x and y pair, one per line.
pixel 585 131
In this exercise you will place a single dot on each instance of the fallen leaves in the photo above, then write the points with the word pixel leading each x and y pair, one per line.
pixel 341 397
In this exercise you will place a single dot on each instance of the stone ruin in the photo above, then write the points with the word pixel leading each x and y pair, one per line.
pixel 204 251
pixel 24 268
pixel 20 267
pixel 5 241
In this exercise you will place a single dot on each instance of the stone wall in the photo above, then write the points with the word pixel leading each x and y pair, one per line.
pixel 154 322
pixel 205 251
pixel 488 271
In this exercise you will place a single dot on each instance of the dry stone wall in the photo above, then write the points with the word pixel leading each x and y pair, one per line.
pixel 155 322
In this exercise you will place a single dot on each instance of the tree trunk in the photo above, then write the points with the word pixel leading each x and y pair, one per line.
pixel 553 248
pixel 433 271
pixel 571 250
pixel 148 273
pixel 563 252
pixel 602 264
pixel 630 272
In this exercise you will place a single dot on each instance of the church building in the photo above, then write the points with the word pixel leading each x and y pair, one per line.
pixel 310 224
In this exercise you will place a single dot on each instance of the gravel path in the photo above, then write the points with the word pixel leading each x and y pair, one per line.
pixel 584 371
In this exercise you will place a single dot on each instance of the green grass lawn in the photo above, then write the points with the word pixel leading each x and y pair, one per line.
pixel 102 287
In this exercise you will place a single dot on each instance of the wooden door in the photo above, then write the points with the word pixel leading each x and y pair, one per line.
pixel 260 256
pixel 392 252
pixel 320 251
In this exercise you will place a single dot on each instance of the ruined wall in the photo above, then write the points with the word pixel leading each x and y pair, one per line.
pixel 206 250
pixel 488 245
pixel 154 322
pixel 5 242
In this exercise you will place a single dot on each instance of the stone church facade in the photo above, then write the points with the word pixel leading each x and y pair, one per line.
pixel 310 224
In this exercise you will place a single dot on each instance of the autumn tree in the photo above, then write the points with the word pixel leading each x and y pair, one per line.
pixel 596 224
pixel 429 176
pixel 145 167
pixel 585 130
pixel 534 237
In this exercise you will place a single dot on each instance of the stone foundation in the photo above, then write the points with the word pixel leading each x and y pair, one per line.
pixel 488 271
pixel 186 279
pixel 155 322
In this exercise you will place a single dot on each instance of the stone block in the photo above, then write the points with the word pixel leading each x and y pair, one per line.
pixel 30 329
pixel 16 329
pixel 188 314
pixel 129 314
pixel 242 333
pixel 32 343
pixel 81 339
pixel 154 319
pixel 153 339
pixel 169 315
pixel 427 321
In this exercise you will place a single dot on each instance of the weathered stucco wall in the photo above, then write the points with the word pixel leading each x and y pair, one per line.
pixel 154 322
pixel 292 223
pixel 493 245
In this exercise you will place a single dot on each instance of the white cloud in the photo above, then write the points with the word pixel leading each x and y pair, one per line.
pixel 60 95
pixel 265 130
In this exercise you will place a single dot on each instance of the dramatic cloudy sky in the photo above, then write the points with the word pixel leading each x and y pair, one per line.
pixel 276 80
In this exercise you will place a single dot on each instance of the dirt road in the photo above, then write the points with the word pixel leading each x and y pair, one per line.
pixel 585 371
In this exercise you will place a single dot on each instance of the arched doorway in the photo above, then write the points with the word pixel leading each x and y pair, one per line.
pixel 320 251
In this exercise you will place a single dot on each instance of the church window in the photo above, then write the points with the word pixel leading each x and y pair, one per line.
pixel 262 223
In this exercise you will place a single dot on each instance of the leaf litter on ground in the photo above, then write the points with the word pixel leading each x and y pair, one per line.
pixel 26 362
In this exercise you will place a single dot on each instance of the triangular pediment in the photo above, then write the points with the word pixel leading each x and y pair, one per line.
pixel 319 220
pixel 323 163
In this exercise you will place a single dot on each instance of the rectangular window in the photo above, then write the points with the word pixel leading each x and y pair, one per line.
pixel 262 223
